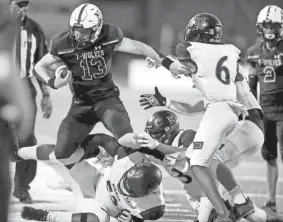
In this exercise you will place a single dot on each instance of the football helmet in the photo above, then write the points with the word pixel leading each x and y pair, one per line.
pixel 204 27
pixel 270 23
pixel 140 180
pixel 163 126
pixel 85 25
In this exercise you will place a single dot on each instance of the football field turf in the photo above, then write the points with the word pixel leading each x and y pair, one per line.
pixel 251 174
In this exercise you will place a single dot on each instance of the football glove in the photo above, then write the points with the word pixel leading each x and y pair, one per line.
pixel 124 216
pixel 151 100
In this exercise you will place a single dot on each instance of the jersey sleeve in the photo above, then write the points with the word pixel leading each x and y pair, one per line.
pixel 115 34
pixel 53 46
pixel 182 51
pixel 184 56
pixel 186 138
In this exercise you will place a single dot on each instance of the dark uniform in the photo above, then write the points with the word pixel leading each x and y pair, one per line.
pixel 95 96
pixel 269 73
pixel 27 54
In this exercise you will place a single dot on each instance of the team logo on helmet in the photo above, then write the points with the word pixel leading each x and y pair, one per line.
pixel 198 23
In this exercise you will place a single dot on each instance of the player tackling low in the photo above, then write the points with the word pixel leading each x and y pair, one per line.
pixel 130 190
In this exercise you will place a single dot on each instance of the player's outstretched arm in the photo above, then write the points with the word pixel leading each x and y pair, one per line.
pixel 140 48
pixel 157 99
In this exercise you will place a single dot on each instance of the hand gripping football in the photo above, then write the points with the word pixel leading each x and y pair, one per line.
pixel 61 71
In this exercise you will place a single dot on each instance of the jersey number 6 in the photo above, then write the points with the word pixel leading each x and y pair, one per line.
pixel 222 72
pixel 93 68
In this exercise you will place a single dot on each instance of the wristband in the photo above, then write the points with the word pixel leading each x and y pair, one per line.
pixel 166 62
pixel 51 83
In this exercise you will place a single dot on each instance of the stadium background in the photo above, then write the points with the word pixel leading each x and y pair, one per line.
pixel 159 23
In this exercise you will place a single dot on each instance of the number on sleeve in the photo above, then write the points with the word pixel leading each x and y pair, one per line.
pixel 269 74
pixel 222 72
pixel 98 64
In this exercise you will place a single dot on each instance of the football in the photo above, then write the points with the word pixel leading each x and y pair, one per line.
pixel 59 68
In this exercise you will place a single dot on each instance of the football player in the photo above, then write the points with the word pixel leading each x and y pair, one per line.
pixel 213 65
pixel 87 49
pixel 130 190
pixel 163 135
pixel 266 68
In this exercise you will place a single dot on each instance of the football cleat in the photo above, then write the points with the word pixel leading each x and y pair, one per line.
pixel 30 213
pixel 271 206
pixel 225 217
pixel 244 210
pixel 23 196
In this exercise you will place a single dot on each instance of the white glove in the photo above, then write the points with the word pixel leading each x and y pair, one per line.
pixel 59 80
pixel 124 216
pixel 145 140
pixel 151 63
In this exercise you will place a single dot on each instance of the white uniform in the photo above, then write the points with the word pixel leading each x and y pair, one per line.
pixel 113 201
pixel 215 79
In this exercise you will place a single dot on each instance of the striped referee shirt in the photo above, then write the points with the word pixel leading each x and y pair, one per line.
pixel 30 47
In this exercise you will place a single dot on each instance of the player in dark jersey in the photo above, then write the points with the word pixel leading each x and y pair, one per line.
pixel 87 50
pixel 266 61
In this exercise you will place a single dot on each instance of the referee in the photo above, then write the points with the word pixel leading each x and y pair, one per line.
pixel 30 47
pixel 15 104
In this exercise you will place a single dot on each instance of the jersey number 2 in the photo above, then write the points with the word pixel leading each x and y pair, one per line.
pixel 270 75
pixel 98 64
pixel 222 72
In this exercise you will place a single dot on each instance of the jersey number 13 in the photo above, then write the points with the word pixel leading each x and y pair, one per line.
pixel 93 68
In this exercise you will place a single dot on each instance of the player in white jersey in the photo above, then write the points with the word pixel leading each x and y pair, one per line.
pixel 130 190
pixel 165 137
pixel 214 70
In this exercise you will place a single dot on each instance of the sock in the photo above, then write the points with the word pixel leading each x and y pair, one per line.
pixel 204 209
pixel 37 152
pixel 28 153
pixel 67 177
pixel 225 194
pixel 258 216
pixel 237 195
pixel 59 217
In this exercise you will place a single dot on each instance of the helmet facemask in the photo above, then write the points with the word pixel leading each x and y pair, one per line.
pixel 269 31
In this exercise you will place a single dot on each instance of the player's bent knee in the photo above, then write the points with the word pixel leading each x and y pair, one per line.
pixel 85 217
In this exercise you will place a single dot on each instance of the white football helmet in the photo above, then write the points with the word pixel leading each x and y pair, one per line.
pixel 270 23
pixel 85 24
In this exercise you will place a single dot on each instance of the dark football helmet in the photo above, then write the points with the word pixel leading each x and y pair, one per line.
pixel 163 126
pixel 204 27
pixel 140 180
pixel 270 23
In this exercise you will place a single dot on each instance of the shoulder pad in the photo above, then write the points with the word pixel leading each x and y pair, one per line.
pixel 154 213
pixel 60 45
pixel 112 34
pixel 186 138
pixel 182 51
